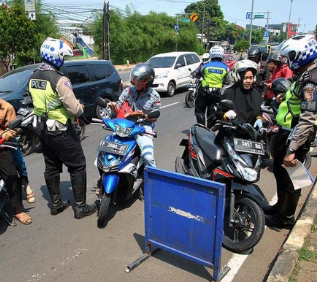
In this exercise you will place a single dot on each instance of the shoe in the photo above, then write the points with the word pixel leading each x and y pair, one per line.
pixel 55 210
pixel 23 218
pixel 83 210
pixel 272 210
pixel 279 221
pixel 30 196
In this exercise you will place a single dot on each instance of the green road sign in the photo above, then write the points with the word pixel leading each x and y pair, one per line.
pixel 185 20
pixel 259 16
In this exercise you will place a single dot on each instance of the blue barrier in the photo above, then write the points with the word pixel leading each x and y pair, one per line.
pixel 183 215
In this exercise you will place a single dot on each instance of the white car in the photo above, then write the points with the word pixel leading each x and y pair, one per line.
pixel 172 70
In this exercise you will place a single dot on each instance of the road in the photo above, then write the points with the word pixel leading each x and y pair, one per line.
pixel 61 248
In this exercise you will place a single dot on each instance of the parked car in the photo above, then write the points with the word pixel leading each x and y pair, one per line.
pixel 90 79
pixel 172 70
pixel 229 60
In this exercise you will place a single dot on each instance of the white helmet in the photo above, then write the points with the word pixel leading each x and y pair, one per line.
pixel 54 51
pixel 299 50
pixel 206 57
pixel 216 52
pixel 242 66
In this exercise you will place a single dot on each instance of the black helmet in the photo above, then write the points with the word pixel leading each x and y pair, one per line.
pixel 280 85
pixel 254 52
pixel 143 72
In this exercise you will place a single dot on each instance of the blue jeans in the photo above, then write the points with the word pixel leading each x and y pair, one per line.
pixel 147 149
pixel 20 165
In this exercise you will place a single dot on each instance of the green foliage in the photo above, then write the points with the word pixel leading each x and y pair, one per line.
pixel 17 33
pixel 278 38
pixel 138 37
pixel 241 46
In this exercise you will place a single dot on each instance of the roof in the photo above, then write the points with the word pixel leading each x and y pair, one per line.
pixel 173 53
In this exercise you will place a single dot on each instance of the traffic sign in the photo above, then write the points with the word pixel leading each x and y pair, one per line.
pixel 266 33
pixel 176 28
pixel 193 17
pixel 248 16
pixel 31 15
pixel 259 16
pixel 185 20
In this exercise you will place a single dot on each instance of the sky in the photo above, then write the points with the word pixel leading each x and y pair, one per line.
pixel 300 11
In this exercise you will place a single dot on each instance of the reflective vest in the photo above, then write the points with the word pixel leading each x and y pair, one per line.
pixel 214 73
pixel 42 86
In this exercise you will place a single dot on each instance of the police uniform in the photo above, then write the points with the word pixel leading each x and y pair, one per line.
pixel 55 106
pixel 215 74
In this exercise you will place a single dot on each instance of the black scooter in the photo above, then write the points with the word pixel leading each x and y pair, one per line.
pixel 231 154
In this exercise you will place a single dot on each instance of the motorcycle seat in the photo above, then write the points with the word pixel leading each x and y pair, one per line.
pixel 206 141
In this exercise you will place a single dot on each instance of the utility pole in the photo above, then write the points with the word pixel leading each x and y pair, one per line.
pixel 106 17
pixel 250 37
pixel 267 20
pixel 203 23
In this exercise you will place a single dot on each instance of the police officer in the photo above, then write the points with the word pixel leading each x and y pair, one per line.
pixel 55 106
pixel 293 115
pixel 215 73
pixel 255 55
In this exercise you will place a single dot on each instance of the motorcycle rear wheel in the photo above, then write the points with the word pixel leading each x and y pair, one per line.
pixel 103 209
pixel 27 142
pixel 248 228
pixel 190 99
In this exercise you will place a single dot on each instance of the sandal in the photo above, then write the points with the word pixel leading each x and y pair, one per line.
pixel 30 197
pixel 23 218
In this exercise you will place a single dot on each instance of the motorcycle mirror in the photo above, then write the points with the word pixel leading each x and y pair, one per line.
pixel 227 105
pixel 15 123
pixel 101 102
pixel 154 114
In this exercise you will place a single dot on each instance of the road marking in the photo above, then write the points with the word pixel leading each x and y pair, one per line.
pixel 237 260
pixel 170 105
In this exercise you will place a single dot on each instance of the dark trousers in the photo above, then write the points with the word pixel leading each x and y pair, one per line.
pixel 283 180
pixel 207 102
pixel 62 147
pixel 9 174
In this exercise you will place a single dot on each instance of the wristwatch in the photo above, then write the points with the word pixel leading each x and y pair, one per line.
pixel 289 151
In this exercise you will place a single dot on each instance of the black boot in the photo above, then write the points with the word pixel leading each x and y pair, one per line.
pixel 285 218
pixel 79 186
pixel 53 186
pixel 276 208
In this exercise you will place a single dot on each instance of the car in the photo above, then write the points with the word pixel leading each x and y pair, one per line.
pixel 229 60
pixel 173 70
pixel 90 79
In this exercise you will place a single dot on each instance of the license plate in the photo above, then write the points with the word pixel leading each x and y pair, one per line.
pixel 23 112
pixel 247 146
pixel 113 148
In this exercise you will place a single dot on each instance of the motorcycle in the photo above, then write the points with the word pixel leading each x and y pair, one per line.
pixel 191 95
pixel 231 154
pixel 119 162
pixel 27 136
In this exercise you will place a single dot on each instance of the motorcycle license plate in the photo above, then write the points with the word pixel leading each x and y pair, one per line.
pixel 23 112
pixel 247 146
pixel 113 148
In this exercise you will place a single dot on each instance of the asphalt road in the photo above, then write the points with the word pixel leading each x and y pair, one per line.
pixel 61 248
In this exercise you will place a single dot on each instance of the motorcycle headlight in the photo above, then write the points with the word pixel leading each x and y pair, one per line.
pixel 123 131
pixel 247 173
pixel 162 75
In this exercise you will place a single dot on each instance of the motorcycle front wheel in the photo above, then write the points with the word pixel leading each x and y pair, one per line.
pixel 190 98
pixel 248 226
pixel 27 142
pixel 103 209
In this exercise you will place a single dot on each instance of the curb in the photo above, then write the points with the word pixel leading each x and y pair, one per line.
pixel 288 256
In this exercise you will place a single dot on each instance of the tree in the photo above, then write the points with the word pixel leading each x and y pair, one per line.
pixel 17 34
pixel 241 46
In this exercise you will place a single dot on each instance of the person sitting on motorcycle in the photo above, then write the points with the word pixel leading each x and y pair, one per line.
pixel 141 97
pixel 215 74
pixel 8 169
pixel 255 55
pixel 247 100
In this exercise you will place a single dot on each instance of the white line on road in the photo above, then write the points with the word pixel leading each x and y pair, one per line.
pixel 237 260
pixel 170 105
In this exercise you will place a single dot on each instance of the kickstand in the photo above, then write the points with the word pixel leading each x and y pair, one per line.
pixel 9 219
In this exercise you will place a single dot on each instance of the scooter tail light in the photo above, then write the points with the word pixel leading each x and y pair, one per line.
pixel 191 150
pixel 217 171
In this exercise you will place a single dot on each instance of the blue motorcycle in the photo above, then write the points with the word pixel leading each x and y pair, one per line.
pixel 119 161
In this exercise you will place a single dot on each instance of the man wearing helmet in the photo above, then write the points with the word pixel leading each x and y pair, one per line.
pixel 295 118
pixel 141 97
pixel 55 106
pixel 255 55
pixel 215 74
pixel 246 99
